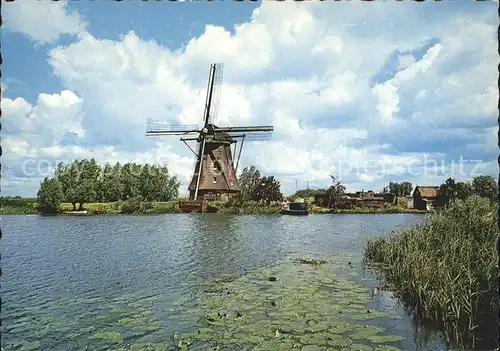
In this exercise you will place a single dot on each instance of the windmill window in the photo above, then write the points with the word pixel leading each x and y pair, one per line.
pixel 215 180
pixel 216 166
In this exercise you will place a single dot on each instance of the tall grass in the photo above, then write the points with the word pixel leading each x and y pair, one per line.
pixel 249 207
pixel 445 269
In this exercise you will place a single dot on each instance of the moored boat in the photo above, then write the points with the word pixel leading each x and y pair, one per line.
pixel 297 208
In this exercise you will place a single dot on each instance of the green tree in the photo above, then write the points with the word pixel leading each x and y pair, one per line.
pixel 318 195
pixel 146 186
pixel 110 188
pixel 406 188
pixel 268 190
pixel 49 196
pixel 305 193
pixel 88 178
pixel 399 189
pixel 129 178
pixel 164 185
pixel 448 191
pixel 464 190
pixel 67 176
pixel 485 186
pixel 249 183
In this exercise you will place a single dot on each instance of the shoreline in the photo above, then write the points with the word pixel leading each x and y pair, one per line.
pixel 172 207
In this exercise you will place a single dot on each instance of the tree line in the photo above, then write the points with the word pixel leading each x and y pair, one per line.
pixel 483 186
pixel 85 181
pixel 398 189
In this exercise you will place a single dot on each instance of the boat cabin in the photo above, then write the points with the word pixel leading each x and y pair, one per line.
pixel 297 207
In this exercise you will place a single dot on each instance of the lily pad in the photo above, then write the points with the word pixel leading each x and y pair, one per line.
pixel 380 339
pixel 339 341
pixel 313 339
pixel 360 347
pixel 312 348
pixel 366 331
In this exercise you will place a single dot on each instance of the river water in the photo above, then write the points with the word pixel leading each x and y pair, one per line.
pixel 62 277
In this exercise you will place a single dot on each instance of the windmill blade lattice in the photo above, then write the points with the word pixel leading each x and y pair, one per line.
pixel 216 92
pixel 252 136
pixel 169 129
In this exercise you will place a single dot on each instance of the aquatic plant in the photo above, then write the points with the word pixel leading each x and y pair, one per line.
pixel 445 269
pixel 311 261
pixel 308 307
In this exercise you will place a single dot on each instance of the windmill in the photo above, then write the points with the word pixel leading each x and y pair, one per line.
pixel 214 175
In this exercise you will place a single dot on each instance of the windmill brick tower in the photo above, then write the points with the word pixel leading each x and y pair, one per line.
pixel 214 176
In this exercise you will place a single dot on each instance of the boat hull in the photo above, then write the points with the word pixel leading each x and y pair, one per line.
pixel 295 212
pixel 76 213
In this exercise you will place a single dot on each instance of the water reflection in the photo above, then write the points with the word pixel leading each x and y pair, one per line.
pixel 417 336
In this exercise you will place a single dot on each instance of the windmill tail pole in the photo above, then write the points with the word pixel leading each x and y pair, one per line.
pixel 199 170
pixel 239 153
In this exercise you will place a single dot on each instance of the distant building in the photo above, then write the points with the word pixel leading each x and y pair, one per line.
pixel 365 194
pixel 366 199
pixel 426 197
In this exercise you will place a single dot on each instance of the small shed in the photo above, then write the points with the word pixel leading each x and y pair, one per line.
pixel 426 197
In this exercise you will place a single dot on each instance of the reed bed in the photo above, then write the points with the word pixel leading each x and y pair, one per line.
pixel 445 270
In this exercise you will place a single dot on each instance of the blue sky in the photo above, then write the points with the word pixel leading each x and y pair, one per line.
pixel 368 92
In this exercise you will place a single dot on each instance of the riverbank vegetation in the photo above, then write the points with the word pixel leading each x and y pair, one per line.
pixel 13 205
pixel 445 269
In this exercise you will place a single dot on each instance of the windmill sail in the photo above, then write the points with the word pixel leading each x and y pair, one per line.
pixel 216 92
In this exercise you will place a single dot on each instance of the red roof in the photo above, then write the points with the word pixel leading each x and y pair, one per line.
pixel 428 191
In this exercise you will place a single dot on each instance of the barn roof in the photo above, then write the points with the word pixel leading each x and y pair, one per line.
pixel 428 191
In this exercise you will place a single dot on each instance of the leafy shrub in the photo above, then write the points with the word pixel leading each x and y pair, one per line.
pixel 130 206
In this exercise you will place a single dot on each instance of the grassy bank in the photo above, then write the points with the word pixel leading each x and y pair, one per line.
pixel 364 210
pixel 244 208
pixel 109 208
pixel 18 205
pixel 128 207
pixel 15 210
pixel 445 270
pixel 135 207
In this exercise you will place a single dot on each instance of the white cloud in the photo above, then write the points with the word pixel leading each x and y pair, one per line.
pixel 42 21
pixel 54 116
pixel 309 72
